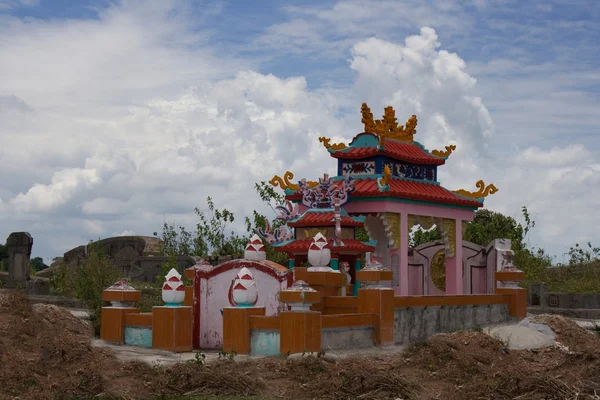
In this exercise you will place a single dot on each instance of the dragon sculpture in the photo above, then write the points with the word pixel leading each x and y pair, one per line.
pixel 287 212
pixel 326 193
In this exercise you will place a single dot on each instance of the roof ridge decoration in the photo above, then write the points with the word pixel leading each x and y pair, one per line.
pixel 444 154
pixel 388 126
pixel 483 191
pixel 286 184
pixel 334 147
pixel 326 192
pixel 287 212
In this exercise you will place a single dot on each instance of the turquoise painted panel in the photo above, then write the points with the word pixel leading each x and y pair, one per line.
pixel 334 264
pixel 264 342
pixel 364 140
pixel 138 336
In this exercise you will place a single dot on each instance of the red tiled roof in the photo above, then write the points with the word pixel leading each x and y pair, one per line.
pixel 301 246
pixel 408 152
pixel 406 189
pixel 326 218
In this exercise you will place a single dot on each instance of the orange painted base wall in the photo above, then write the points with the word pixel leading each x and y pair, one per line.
pixel 172 328
pixel 302 331
pixel 112 323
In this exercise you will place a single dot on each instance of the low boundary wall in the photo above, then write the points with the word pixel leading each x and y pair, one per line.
pixel 574 305
pixel 418 318
pixel 374 317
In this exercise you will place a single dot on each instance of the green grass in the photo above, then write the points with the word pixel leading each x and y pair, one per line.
pixel 573 279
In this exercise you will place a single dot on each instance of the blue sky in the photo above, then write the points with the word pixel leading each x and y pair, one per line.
pixel 110 90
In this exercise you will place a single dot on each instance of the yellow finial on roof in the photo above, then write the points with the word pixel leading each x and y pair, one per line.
pixel 336 146
pixel 387 173
pixel 388 126
pixel 483 191
pixel 285 182
pixel 444 154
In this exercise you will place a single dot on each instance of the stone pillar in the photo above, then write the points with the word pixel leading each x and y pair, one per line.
pixel 508 277
pixel 403 254
pixel 379 301
pixel 326 283
pixel 376 298
pixel 19 246
pixel 112 318
pixel 300 328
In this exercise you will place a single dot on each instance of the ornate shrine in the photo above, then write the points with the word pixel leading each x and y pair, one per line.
pixel 390 182
pixel 386 183
pixel 323 219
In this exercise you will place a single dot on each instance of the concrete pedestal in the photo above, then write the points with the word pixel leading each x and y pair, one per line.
pixel 172 328
pixel 379 301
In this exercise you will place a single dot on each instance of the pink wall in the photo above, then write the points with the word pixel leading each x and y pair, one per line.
pixel 477 267
pixel 478 280
pixel 415 280
pixel 213 287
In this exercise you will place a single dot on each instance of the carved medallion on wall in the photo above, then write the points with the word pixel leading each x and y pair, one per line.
pixel 438 270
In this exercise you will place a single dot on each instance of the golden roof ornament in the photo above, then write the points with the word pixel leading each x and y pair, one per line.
pixel 483 191
pixel 286 184
pixel 387 173
pixel 336 146
pixel 444 154
pixel 388 126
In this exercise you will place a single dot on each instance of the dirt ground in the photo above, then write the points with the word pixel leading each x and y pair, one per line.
pixel 45 353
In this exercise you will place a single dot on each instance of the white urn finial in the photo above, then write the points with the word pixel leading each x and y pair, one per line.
pixel 243 291
pixel 319 254
pixel 173 290
pixel 255 250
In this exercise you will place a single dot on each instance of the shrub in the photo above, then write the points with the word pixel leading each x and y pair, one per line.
pixel 87 281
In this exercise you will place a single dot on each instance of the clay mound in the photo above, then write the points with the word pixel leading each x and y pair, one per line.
pixel 473 365
pixel 45 352
pixel 570 334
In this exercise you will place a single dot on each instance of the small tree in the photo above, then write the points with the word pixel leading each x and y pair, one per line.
pixel 87 281
pixel 37 264
pixel 580 255
pixel 421 236
pixel 211 236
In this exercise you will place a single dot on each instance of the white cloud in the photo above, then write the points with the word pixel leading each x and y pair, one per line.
pixel 65 183
pixel 419 78
pixel 104 206
pixel 145 121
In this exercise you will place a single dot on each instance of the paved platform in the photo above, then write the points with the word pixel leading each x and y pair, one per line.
pixel 166 358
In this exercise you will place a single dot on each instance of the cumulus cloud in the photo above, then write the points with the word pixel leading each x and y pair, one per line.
pixel 418 77
pixel 43 198
pixel 145 121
